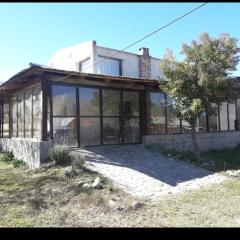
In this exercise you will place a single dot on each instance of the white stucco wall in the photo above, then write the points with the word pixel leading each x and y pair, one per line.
pixel 130 64
pixel 155 68
pixel 67 58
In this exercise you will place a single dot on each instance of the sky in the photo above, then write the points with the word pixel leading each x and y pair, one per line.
pixel 33 32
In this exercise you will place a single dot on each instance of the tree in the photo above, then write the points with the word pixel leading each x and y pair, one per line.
pixel 201 78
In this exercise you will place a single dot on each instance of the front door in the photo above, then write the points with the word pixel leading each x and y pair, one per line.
pixel 131 124
pixel 120 116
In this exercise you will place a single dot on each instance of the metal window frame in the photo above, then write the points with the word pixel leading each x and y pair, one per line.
pixel 101 116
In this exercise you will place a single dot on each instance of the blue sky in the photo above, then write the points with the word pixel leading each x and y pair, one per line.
pixel 33 32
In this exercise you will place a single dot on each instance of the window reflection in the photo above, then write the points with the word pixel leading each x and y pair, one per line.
pixel 201 123
pixel 131 103
pixel 232 116
pixel 65 131
pixel 28 113
pixel 14 116
pixel 37 112
pixel 64 100
pixel 213 119
pixel 111 130
pixel 20 115
pixel 89 102
pixel 157 113
pixel 223 117
pixel 131 130
pixel 173 123
pixel 111 102
pixel 89 131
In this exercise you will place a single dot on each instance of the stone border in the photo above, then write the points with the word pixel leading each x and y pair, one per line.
pixel 206 141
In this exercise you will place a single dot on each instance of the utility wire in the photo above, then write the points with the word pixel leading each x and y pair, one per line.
pixel 141 39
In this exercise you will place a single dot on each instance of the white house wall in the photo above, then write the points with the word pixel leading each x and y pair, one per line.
pixel 68 58
pixel 155 68
pixel 130 64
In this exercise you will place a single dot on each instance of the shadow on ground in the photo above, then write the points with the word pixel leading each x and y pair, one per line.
pixel 140 159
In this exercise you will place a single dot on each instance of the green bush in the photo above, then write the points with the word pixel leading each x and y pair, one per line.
pixel 8 157
pixel 18 163
pixel 60 154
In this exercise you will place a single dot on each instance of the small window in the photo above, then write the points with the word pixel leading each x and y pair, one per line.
pixel 84 66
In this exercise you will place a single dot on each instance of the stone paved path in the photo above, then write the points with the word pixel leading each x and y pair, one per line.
pixel 145 173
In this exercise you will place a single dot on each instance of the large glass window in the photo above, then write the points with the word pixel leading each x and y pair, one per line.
pixel 223 117
pixel 6 119
pixel 173 123
pixel 37 111
pixel 89 131
pixel 65 131
pixel 111 116
pixel 28 113
pixel 131 103
pixel 238 113
pixel 64 100
pixel 89 106
pixel 131 130
pixel 213 119
pixel 14 116
pixel 157 113
pixel 186 127
pixel 64 115
pixel 109 66
pixel 20 114
pixel 111 102
pixel 202 123
pixel 89 101
pixel 111 130
pixel 232 115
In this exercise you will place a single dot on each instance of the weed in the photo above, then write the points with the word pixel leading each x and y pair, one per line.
pixel 60 154
pixel 18 163
pixel 7 157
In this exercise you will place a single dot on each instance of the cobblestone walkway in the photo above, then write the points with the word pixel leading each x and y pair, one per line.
pixel 145 173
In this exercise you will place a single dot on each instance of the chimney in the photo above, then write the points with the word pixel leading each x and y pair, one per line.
pixel 144 63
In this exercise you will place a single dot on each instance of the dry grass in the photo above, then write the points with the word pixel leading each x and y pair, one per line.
pixel 48 199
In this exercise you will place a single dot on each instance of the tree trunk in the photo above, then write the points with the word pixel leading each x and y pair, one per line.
pixel 194 141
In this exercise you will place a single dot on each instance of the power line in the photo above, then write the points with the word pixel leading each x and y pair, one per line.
pixel 141 39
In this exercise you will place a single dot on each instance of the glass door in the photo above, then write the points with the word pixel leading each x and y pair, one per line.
pixel 131 122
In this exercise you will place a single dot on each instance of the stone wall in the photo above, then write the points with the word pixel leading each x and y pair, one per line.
pixel 31 151
pixel 206 141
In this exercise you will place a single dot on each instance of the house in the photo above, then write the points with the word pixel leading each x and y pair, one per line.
pixel 86 98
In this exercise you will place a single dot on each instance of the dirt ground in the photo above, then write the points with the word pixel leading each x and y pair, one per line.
pixel 46 198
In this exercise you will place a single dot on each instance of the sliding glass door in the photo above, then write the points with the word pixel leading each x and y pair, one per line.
pixel 88 116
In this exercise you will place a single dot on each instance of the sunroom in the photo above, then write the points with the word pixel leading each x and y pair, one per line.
pixel 42 106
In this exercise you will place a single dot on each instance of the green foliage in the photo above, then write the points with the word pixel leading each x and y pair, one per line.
pixel 8 157
pixel 224 159
pixel 202 77
pixel 184 155
pixel 18 163
pixel 60 154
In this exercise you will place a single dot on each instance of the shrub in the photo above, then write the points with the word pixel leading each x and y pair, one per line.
pixel 8 157
pixel 60 154
pixel 78 161
pixel 18 163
